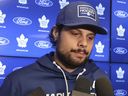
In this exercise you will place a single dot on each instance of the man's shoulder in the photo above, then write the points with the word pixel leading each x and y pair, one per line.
pixel 96 71
pixel 99 73
pixel 21 73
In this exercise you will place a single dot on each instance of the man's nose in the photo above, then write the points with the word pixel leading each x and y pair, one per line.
pixel 82 42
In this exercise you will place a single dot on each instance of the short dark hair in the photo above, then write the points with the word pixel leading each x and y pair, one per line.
pixel 51 37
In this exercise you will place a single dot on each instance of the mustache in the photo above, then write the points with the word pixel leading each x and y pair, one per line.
pixel 79 50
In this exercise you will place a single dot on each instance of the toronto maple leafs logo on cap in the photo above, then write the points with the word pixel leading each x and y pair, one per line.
pixel 86 11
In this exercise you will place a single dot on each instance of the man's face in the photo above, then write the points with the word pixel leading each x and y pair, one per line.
pixel 73 46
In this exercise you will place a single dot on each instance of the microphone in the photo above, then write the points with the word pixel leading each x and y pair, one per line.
pixel 37 92
pixel 103 87
pixel 82 87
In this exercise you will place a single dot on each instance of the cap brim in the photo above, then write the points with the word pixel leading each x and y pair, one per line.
pixel 96 29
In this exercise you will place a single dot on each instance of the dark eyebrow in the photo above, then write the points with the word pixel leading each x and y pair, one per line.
pixel 92 34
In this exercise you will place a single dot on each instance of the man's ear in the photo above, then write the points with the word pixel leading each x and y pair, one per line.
pixel 55 33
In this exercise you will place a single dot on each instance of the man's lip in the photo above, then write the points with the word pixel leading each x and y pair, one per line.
pixel 81 54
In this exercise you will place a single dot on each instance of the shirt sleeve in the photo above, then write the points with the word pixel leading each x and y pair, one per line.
pixel 8 88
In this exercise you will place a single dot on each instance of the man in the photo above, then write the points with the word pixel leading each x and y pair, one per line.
pixel 56 72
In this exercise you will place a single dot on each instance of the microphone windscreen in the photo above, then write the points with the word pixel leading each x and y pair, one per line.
pixel 103 87
pixel 78 93
pixel 82 84
pixel 37 92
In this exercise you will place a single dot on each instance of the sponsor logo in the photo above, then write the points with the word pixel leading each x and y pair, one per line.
pixel 120 73
pixel 22 21
pixel 99 47
pixel 120 92
pixel 100 9
pixel 63 3
pixel 43 44
pixel 44 3
pixel 22 41
pixel 121 14
pixel 2 68
pixel 43 22
pixel 22 1
pixel 120 31
pixel 120 50
pixel 2 17
pixel 4 41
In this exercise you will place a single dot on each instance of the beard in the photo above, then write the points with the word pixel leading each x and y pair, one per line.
pixel 68 61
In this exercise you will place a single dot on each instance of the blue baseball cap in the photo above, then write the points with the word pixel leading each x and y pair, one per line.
pixel 80 13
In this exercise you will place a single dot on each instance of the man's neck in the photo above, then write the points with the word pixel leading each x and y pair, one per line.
pixel 57 61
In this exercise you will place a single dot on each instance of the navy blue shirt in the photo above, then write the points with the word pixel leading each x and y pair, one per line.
pixel 45 74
